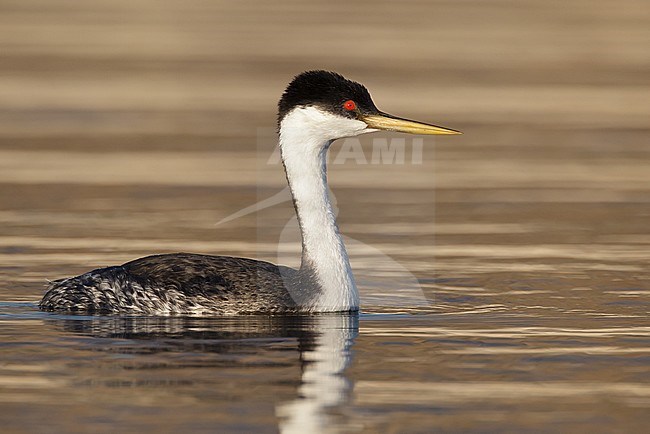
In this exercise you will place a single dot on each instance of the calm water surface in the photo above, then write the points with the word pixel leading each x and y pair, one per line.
pixel 532 318
pixel 505 280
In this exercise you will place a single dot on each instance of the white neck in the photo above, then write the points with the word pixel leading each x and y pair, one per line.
pixel 305 135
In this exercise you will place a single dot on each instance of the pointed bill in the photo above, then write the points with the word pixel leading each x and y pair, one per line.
pixel 384 121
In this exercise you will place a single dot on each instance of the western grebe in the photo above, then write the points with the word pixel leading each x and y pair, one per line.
pixel 316 108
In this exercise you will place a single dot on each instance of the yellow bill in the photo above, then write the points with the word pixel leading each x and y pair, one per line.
pixel 387 122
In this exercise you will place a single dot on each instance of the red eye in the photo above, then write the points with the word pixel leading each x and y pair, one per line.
pixel 349 105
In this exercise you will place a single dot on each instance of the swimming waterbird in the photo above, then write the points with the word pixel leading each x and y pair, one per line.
pixel 316 108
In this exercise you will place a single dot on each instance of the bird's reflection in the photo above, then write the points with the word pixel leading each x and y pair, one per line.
pixel 323 384
pixel 324 344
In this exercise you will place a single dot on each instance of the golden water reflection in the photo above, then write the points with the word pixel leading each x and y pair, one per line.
pixel 504 280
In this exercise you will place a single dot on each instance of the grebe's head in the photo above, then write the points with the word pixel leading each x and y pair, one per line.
pixel 327 106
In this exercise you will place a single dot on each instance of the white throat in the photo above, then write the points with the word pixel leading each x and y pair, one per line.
pixel 305 136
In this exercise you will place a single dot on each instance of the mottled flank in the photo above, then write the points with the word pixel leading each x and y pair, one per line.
pixel 183 283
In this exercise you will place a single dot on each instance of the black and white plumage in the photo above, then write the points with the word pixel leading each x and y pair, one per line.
pixel 317 108
pixel 179 283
